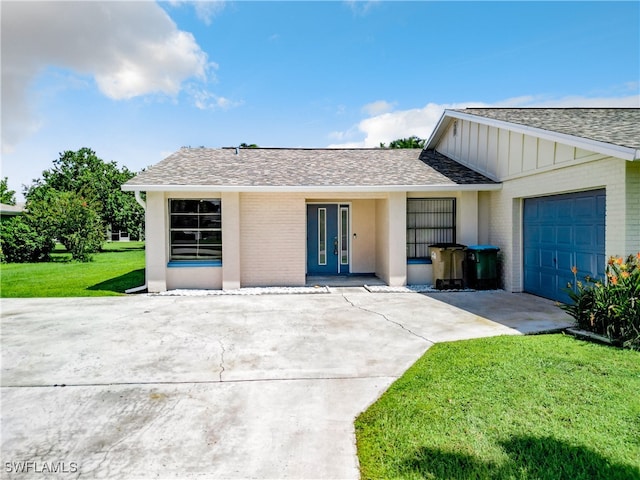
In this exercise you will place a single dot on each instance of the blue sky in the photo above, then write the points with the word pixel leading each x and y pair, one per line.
pixel 137 80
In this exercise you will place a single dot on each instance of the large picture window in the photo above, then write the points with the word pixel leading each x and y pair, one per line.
pixel 429 221
pixel 195 229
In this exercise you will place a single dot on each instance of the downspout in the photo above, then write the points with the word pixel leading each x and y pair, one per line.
pixel 142 203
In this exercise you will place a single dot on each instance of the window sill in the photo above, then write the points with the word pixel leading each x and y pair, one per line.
pixel 194 263
pixel 419 261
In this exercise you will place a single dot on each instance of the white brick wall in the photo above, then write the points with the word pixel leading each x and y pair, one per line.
pixel 633 208
pixel 272 239
pixel 506 209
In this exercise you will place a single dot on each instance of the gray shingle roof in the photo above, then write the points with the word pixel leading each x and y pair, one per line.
pixel 293 167
pixel 617 126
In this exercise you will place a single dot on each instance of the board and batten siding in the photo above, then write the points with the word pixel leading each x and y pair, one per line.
pixel 272 239
pixel 502 154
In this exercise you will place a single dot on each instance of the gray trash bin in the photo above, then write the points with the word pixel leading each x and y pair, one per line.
pixel 447 265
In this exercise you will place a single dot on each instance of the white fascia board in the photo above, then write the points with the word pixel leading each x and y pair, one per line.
pixel 312 189
pixel 618 151
pixel 437 132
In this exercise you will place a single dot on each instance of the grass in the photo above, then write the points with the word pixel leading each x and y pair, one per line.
pixel 511 407
pixel 119 267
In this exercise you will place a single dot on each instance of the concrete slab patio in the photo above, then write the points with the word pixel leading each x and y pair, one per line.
pixel 255 386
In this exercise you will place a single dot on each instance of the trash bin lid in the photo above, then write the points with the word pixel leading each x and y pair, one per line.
pixel 447 245
pixel 483 247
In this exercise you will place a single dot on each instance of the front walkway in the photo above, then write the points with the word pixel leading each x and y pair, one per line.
pixel 343 280
pixel 229 386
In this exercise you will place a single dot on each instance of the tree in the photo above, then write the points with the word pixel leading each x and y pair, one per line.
pixel 98 183
pixel 8 197
pixel 410 142
pixel 21 241
pixel 248 145
pixel 70 218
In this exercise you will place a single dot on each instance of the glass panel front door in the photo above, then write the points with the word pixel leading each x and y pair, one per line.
pixel 344 239
pixel 327 239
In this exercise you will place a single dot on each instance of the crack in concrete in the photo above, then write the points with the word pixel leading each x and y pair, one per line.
pixel 221 360
pixel 204 382
pixel 387 319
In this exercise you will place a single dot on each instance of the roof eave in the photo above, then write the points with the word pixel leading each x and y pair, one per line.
pixel 313 188
pixel 618 151
pixel 438 131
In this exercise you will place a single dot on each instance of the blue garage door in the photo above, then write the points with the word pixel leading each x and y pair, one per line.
pixel 562 231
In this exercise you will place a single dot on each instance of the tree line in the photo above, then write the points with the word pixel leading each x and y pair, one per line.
pixel 72 203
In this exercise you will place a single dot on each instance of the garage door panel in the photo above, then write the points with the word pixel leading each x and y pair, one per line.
pixel 585 235
pixel 568 230
pixel 532 257
pixel 565 260
pixel 584 207
pixel 547 210
pixel 547 279
pixel 532 279
pixel 564 209
pixel 600 236
pixel 547 259
pixel 531 211
pixel 601 265
pixel 564 235
pixel 548 235
pixel 535 234
pixel 563 282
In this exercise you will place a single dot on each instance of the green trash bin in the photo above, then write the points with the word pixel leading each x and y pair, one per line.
pixel 481 266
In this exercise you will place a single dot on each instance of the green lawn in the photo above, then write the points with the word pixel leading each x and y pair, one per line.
pixel 119 267
pixel 531 407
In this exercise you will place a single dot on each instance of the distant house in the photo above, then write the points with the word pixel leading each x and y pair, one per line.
pixel 10 211
pixel 552 188
pixel 115 235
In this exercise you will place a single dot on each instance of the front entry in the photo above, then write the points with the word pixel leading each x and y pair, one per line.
pixel 327 239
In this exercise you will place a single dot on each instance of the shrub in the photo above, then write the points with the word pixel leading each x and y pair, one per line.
pixel 610 307
pixel 69 217
pixel 21 242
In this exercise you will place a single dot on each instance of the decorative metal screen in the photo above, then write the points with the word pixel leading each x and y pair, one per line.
pixel 429 221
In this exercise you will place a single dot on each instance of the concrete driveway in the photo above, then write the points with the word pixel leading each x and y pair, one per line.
pixel 261 386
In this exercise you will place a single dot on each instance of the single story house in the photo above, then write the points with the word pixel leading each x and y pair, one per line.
pixel 10 211
pixel 229 218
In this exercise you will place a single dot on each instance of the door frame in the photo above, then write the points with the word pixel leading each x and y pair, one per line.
pixel 338 205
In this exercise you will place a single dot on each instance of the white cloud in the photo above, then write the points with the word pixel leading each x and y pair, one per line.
pixel 205 100
pixel 129 48
pixel 388 126
pixel 378 107
pixel 205 9
pixel 361 7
